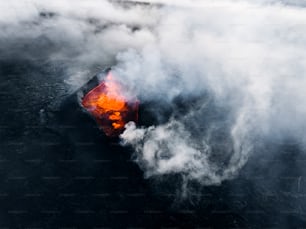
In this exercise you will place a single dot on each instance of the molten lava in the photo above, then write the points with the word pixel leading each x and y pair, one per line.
pixel 111 109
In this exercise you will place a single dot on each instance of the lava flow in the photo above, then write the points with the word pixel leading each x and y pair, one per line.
pixel 108 105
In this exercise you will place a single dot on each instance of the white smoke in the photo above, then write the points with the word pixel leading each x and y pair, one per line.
pixel 243 61
pixel 82 35
pixel 248 56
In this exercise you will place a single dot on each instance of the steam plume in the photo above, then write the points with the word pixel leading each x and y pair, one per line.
pixel 247 57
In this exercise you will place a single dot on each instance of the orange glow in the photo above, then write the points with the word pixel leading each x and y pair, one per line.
pixel 110 107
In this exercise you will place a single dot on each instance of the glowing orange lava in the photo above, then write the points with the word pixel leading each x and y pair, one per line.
pixel 111 109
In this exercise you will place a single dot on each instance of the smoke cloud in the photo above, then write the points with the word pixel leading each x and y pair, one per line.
pixel 247 57
pixel 230 73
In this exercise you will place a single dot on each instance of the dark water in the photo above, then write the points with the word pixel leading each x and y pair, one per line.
pixel 57 170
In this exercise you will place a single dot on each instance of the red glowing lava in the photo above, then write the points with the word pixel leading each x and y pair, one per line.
pixel 111 109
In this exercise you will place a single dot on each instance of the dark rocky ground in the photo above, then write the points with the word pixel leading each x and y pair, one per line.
pixel 57 170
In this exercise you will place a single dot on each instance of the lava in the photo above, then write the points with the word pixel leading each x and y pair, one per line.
pixel 110 107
